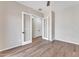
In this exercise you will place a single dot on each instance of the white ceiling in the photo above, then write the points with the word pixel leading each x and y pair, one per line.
pixel 42 4
pixel 35 4
pixel 66 3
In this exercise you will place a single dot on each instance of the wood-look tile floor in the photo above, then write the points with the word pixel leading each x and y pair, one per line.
pixel 43 48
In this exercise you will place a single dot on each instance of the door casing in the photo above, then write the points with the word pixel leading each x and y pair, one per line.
pixel 30 40
pixel 31 16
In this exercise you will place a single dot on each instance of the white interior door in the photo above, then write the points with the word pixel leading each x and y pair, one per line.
pixel 27 29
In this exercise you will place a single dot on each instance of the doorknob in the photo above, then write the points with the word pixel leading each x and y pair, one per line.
pixel 23 32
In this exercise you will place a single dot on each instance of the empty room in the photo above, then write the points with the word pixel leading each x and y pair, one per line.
pixel 39 28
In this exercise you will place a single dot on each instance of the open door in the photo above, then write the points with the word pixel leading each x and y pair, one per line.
pixel 26 28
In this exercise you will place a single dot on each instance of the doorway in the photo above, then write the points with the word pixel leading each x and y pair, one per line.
pixel 36 27
pixel 31 27
pixel 26 28
pixel 28 31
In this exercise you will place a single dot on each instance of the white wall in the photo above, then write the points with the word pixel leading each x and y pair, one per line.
pixel 11 19
pixel 2 24
pixel 67 23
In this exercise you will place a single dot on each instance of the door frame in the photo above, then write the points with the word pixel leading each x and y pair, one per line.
pixel 46 38
pixel 30 41
pixel 31 15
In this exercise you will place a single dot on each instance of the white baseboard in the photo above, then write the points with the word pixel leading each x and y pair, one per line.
pixel 45 38
pixel 27 42
pixel 48 39
pixel 10 47
pixel 16 46
pixel 67 41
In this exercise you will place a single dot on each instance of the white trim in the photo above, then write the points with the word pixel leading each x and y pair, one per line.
pixel 26 13
pixel 31 15
pixel 10 47
pixel 22 26
pixel 23 43
pixel 31 29
pixel 42 27
pixel 67 41
pixel 51 39
pixel 45 38
pixel 28 42
pixel 47 28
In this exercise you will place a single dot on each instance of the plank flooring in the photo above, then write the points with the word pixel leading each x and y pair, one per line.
pixel 43 48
